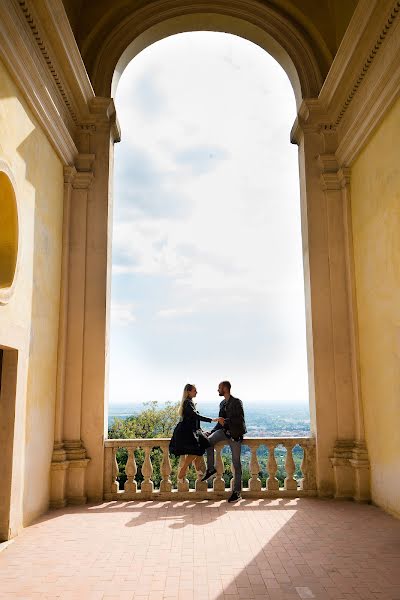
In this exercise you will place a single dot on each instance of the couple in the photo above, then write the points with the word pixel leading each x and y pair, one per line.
pixel 188 439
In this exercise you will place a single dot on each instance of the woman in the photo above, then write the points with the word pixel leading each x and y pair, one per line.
pixel 188 439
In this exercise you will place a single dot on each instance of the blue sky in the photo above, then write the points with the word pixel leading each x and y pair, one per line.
pixel 207 263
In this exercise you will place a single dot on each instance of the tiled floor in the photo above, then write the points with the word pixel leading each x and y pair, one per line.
pixel 261 549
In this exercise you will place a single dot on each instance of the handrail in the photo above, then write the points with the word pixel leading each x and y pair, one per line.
pixel 306 486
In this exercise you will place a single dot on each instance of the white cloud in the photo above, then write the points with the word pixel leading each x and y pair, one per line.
pixel 171 313
pixel 123 313
pixel 207 205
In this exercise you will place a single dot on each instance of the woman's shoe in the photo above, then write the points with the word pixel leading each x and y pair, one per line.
pixel 208 474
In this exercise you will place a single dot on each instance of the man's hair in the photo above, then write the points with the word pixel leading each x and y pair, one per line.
pixel 226 384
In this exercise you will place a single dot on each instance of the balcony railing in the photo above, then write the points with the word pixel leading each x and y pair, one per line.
pixel 132 489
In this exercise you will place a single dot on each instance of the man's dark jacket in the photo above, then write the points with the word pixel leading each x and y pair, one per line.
pixel 232 411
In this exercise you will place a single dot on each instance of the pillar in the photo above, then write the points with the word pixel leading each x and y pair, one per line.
pixel 59 465
pixel 80 419
pixel 330 311
pixel 97 140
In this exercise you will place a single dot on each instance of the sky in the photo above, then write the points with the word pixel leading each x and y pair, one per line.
pixel 207 275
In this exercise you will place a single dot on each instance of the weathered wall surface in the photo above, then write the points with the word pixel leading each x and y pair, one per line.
pixel 29 321
pixel 375 190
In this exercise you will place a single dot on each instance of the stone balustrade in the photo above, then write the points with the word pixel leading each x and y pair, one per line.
pixel 131 490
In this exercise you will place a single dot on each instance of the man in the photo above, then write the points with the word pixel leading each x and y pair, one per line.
pixel 231 432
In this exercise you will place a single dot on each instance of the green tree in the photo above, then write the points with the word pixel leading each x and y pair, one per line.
pixel 152 422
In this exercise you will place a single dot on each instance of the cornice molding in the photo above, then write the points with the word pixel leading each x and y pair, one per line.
pixel 39 49
pixel 20 53
pixel 47 54
pixel 363 83
pixel 364 79
pixel 369 59
pixel 64 46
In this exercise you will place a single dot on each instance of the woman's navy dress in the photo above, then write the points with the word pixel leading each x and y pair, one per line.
pixel 187 437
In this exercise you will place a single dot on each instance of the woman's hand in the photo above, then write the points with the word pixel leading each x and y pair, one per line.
pixel 219 420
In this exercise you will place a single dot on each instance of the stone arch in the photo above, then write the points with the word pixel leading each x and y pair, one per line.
pixel 263 25
pixel 9 238
pixel 323 192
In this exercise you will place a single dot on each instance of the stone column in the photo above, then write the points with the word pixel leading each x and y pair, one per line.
pixel 331 339
pixel 321 368
pixel 75 451
pixel 97 139
pixel 59 465
pixel 359 456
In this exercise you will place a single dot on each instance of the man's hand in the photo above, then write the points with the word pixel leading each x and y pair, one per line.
pixel 221 421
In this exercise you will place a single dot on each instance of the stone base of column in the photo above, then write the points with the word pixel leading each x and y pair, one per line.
pixel 351 470
pixel 58 477
pixel 360 464
pixel 76 477
pixel 343 472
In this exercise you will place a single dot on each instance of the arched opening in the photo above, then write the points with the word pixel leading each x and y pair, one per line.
pixel 254 217
pixel 260 24
pixel 330 379
pixel 8 235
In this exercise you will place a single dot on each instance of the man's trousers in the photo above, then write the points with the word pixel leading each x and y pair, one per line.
pixel 220 436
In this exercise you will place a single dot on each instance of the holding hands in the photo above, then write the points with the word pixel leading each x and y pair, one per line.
pixel 219 420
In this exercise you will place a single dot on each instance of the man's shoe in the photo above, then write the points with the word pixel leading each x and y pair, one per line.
pixel 208 474
pixel 235 497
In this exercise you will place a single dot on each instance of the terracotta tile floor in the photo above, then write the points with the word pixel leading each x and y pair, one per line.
pixel 257 549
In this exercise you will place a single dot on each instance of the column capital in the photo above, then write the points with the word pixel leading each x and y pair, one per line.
pixel 102 118
pixel 84 162
pixel 83 180
pixel 333 176
pixel 344 176
pixel 69 174
pixel 311 117
pixel 81 175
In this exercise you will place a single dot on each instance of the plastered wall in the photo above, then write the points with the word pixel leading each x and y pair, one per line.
pixel 29 321
pixel 375 192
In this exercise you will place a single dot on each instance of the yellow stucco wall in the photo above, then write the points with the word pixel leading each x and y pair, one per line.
pixel 375 189
pixel 29 322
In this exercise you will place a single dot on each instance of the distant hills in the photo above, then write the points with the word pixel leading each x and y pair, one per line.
pixel 263 420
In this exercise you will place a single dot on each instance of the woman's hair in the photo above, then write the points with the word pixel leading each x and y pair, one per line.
pixel 188 388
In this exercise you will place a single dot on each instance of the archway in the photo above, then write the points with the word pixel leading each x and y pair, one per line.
pixel 324 227
pixel 207 226
pixel 263 25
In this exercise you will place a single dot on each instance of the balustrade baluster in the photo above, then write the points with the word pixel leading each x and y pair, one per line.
pixel 308 481
pixel 254 481
pixel 272 482
pixel 219 482
pixel 290 467
pixel 183 484
pixel 201 486
pixel 147 471
pixel 115 472
pixel 166 484
pixel 305 486
pixel 131 470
